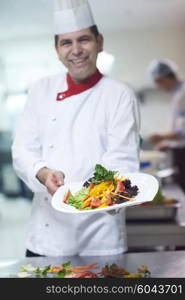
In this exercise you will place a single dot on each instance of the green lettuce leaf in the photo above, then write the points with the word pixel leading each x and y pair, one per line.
pixel 102 174
pixel 76 200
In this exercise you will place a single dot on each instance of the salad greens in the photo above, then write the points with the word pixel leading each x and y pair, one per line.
pixel 42 272
pixel 102 174
pixel 30 271
pixel 62 274
pixel 26 271
pixel 66 264
pixel 76 200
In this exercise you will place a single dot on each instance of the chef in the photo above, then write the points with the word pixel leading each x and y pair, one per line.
pixel 72 122
pixel 164 74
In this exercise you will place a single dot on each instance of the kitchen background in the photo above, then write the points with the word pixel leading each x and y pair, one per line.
pixel 136 32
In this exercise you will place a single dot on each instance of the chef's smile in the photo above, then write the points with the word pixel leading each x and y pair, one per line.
pixel 78 51
pixel 79 62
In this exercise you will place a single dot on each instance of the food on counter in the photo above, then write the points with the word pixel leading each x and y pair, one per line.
pixel 67 271
pixel 105 188
pixel 115 271
pixel 160 199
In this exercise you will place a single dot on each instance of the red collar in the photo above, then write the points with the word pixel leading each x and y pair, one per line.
pixel 75 89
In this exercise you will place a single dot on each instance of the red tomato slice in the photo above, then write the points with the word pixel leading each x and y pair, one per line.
pixel 95 202
pixel 120 187
pixel 109 201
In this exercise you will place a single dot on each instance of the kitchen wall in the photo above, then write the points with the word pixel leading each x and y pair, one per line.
pixel 135 49
pixel 24 61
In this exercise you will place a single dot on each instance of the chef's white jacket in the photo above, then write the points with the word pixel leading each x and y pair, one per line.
pixel 177 122
pixel 98 126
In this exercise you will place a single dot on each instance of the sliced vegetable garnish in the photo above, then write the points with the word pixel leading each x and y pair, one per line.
pixel 88 271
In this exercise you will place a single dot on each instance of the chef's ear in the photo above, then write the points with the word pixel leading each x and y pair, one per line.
pixel 57 38
pixel 58 55
pixel 56 41
pixel 100 40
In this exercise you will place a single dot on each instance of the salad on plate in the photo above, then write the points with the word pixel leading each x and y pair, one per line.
pixel 105 188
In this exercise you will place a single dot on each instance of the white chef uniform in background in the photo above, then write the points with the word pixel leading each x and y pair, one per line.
pixel 159 69
pixel 178 113
pixel 164 73
pixel 97 126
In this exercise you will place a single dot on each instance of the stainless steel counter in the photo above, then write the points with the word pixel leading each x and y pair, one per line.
pixel 156 234
pixel 160 264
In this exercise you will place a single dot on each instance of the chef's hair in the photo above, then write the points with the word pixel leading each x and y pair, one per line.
pixel 171 75
pixel 94 29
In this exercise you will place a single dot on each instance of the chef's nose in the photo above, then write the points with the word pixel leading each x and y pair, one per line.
pixel 77 49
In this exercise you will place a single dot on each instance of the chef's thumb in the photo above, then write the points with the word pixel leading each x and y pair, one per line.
pixel 59 178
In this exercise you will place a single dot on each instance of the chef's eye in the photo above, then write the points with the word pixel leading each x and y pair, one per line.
pixel 85 39
pixel 65 43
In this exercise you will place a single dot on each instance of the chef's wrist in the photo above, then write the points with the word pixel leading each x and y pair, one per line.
pixel 42 175
pixel 171 136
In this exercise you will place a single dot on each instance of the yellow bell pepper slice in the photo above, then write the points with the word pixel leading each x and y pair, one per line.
pixel 87 203
pixel 102 206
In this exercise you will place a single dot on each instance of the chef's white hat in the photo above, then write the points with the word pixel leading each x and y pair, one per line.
pixel 72 15
pixel 161 68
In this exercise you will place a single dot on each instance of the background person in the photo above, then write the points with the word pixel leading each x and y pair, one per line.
pixel 164 74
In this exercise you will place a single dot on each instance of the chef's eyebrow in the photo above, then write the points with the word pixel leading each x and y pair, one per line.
pixel 82 37
pixel 85 36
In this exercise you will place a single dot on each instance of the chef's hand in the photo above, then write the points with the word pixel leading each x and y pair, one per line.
pixel 163 146
pixel 156 138
pixel 51 179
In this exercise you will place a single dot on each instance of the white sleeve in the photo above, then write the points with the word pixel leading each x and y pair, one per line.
pixel 180 116
pixel 26 148
pixel 123 135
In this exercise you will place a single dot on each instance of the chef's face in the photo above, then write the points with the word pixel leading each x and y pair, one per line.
pixel 78 51
pixel 166 84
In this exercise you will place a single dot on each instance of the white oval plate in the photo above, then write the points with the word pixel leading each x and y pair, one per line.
pixel 147 184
